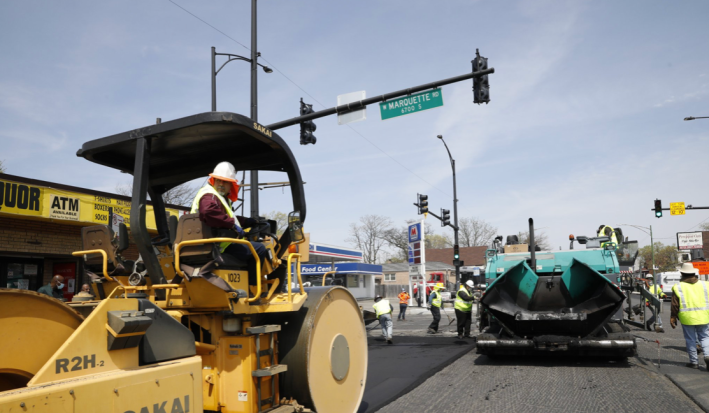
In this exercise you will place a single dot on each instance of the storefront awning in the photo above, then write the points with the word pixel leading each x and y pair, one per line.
pixel 342 268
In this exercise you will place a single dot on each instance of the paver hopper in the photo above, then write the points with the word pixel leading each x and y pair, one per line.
pixel 564 304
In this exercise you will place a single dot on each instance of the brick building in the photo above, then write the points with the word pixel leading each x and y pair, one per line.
pixel 471 256
pixel 40 227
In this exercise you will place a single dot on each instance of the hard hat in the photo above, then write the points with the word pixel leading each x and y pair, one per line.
pixel 377 298
pixel 469 283
pixel 440 286
pixel 225 171
pixel 403 289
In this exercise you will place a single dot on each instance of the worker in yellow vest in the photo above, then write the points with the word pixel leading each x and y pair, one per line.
pixel 464 309
pixel 434 306
pixel 384 310
pixel 690 304
pixel 213 203
pixel 656 290
pixel 607 231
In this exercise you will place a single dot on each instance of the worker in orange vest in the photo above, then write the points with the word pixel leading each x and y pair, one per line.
pixel 403 303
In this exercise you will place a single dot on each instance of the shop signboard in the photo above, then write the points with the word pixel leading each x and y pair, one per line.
pixel 689 240
pixel 54 204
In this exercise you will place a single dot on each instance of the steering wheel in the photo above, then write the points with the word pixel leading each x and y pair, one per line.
pixel 256 231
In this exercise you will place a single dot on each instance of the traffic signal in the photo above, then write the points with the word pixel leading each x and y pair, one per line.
pixel 456 252
pixel 658 208
pixel 445 217
pixel 423 204
pixel 481 84
pixel 307 127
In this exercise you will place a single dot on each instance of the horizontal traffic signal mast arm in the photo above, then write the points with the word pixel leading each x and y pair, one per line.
pixel 687 207
pixel 350 107
pixel 439 218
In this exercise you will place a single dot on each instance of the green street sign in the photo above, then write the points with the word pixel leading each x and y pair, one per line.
pixel 412 103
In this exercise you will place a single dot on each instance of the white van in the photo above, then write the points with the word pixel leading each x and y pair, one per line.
pixel 668 280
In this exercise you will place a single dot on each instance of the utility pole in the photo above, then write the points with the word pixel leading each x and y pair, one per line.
pixel 652 254
pixel 254 107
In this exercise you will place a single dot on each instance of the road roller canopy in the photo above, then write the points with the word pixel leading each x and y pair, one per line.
pixel 168 154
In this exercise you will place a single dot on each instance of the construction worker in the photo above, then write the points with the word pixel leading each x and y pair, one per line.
pixel 464 309
pixel 403 303
pixel 384 310
pixel 434 306
pixel 654 290
pixel 607 231
pixel 690 304
pixel 213 202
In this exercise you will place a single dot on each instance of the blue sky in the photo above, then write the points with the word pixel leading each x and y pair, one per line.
pixel 584 127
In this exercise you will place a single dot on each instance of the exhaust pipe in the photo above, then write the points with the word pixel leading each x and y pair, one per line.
pixel 532 246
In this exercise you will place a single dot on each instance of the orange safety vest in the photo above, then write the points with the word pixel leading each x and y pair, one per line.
pixel 404 298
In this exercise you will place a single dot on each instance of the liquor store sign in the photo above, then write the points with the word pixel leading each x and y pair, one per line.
pixel 22 199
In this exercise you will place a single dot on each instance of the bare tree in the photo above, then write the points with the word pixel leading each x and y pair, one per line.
pixel 703 227
pixel 475 232
pixel 2 167
pixel 540 239
pixel 398 238
pixel 368 236
pixel 281 220
pixel 180 195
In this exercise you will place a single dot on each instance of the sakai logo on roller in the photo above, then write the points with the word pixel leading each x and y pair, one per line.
pixel 166 406
pixel 64 207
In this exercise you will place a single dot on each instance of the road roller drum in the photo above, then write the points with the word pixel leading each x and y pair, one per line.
pixel 325 347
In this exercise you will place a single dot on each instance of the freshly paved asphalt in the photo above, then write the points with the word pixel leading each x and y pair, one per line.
pixel 396 369
pixel 424 373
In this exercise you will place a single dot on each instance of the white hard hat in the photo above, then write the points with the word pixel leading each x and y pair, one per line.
pixel 469 283
pixel 224 171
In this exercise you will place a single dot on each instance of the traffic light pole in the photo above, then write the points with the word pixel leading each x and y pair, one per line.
pixel 253 176
pixel 353 106
pixel 455 213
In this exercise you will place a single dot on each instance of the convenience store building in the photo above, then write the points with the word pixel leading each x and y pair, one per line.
pixel 40 227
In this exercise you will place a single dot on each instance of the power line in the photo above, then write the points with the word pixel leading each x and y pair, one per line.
pixel 699 224
pixel 200 19
pixel 271 65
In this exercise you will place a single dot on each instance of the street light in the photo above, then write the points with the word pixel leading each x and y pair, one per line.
pixel 698 117
pixel 230 57
pixel 455 215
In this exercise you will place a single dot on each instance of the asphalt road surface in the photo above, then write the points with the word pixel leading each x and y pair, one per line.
pixel 425 373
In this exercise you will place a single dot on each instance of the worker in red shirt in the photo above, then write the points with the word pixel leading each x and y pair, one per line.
pixel 403 303
pixel 213 202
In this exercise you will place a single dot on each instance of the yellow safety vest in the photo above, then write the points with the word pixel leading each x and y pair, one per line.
pixel 462 305
pixel 602 233
pixel 656 290
pixel 209 189
pixel 382 307
pixel 436 302
pixel 693 303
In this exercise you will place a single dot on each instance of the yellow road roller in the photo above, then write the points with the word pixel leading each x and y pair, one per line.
pixel 186 328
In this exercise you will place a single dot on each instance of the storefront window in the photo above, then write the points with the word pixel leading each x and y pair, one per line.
pixel 20 274
pixel 352 281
